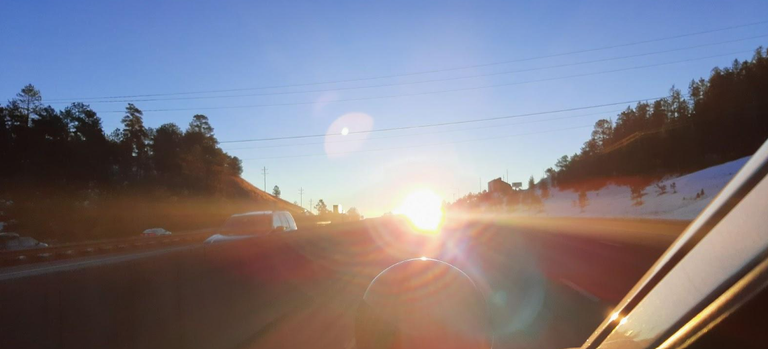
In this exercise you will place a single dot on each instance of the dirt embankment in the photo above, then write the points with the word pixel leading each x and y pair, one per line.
pixel 60 216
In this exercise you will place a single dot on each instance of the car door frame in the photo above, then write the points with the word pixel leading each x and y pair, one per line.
pixel 719 227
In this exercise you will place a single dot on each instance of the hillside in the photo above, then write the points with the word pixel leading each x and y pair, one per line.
pixel 59 215
pixel 242 188
pixel 720 119
pixel 674 197
pixel 63 178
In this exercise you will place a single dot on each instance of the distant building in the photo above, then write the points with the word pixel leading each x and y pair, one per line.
pixel 498 186
pixel 337 209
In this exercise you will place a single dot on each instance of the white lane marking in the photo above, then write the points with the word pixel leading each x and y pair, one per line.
pixel 609 243
pixel 580 290
pixel 76 265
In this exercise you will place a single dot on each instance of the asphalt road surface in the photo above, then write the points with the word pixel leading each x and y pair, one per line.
pixel 547 283
pixel 544 289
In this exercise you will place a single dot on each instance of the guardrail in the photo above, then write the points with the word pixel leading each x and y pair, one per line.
pixel 101 247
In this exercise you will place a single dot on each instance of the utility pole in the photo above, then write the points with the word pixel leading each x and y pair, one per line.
pixel 310 205
pixel 301 197
pixel 264 173
pixel 507 175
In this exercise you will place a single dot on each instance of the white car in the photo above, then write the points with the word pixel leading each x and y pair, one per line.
pixel 155 232
pixel 12 241
pixel 259 222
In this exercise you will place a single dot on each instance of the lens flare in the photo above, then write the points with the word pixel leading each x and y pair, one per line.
pixel 424 209
pixel 353 128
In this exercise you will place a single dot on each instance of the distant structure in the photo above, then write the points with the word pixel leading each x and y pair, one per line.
pixel 337 209
pixel 517 185
pixel 499 186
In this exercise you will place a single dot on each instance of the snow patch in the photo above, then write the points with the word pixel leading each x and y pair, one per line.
pixel 681 197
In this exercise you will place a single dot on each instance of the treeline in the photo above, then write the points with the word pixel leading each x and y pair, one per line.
pixel 63 160
pixel 69 147
pixel 722 118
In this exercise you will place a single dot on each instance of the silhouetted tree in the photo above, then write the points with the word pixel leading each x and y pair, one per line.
pixel 5 142
pixel 201 124
pixel 531 197
pixel 602 133
pixel 583 201
pixel 235 165
pixel 544 188
pixel 551 174
pixel 29 99
pixel 723 118
pixel 134 141
pixel 72 164
pixel 353 214
pixel 167 152
pixel 658 115
pixel 276 191
pixel 321 207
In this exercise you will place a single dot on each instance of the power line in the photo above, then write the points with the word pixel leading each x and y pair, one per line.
pixel 458 122
pixel 434 132
pixel 430 80
pixel 420 145
pixel 434 70
pixel 438 91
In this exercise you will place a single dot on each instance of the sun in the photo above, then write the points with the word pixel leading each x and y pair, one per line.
pixel 424 209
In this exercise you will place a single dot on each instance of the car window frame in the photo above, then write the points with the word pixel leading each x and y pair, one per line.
pixel 753 174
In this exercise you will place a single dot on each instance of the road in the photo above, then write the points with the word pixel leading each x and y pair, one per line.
pixel 548 284
pixel 545 290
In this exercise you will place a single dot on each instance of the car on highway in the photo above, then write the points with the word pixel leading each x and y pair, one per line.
pixel 155 232
pixel 12 241
pixel 259 223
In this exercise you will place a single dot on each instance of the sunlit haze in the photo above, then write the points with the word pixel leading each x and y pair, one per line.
pixel 423 208
pixel 383 174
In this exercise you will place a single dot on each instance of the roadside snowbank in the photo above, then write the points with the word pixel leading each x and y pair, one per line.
pixel 681 197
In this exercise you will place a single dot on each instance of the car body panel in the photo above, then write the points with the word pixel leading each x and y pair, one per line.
pixel 717 251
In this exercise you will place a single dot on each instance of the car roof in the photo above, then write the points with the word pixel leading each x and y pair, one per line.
pixel 256 213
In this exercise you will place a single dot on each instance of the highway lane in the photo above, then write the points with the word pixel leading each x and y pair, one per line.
pixel 548 284
pixel 544 290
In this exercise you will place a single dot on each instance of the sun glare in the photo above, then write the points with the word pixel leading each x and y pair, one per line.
pixel 424 209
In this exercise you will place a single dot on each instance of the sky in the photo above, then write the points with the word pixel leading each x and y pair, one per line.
pixel 319 67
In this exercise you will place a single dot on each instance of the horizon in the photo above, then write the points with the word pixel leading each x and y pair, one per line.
pixel 373 172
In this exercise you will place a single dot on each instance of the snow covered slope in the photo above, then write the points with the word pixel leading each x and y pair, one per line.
pixel 671 198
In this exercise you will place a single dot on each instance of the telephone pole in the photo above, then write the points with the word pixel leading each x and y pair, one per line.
pixel 310 205
pixel 301 197
pixel 264 173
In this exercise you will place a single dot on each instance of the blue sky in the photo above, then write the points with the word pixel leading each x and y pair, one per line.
pixel 76 49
